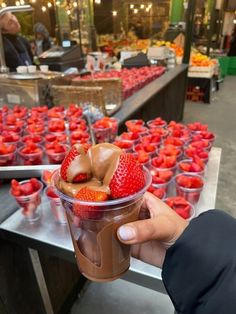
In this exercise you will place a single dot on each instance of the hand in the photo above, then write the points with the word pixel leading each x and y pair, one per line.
pixel 150 238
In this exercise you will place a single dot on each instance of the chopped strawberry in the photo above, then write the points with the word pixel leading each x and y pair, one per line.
pixel 174 141
pixel 130 136
pixel 190 182
pixel 51 192
pixel 47 176
pixel 88 211
pixel 128 178
pixel 56 125
pixel 180 205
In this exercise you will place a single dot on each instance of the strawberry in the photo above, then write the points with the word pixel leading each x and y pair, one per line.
pixel 47 176
pixel 35 184
pixel 88 211
pixel 27 188
pixel 128 177
pixel 51 192
pixel 76 151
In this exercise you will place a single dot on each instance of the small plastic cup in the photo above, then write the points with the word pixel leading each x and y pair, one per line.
pixel 189 161
pixel 8 159
pixel 154 124
pixel 56 205
pixel 33 158
pixel 102 135
pixel 56 158
pixel 125 145
pixel 176 206
pixel 30 204
pixel 100 255
pixel 192 195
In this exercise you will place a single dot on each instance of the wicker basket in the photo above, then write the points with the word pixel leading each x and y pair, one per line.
pixel 66 95
pixel 112 90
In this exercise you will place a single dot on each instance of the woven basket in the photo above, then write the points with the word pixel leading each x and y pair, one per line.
pixel 112 90
pixel 66 95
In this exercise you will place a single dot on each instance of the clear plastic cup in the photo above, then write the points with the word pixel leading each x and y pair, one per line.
pixel 30 204
pixel 8 159
pixel 191 213
pixel 189 161
pixel 33 158
pixel 100 255
pixel 192 195
pixel 56 206
pixel 56 158
pixel 102 135
pixel 125 145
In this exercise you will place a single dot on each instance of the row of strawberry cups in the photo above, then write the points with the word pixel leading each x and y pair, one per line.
pixel 32 154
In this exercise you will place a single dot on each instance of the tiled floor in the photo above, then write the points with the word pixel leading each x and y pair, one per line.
pixel 121 297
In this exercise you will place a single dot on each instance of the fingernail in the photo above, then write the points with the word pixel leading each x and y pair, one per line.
pixel 126 233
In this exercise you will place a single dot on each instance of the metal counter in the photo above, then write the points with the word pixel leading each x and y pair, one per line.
pixel 55 239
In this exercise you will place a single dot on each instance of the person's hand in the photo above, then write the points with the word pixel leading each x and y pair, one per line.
pixel 150 238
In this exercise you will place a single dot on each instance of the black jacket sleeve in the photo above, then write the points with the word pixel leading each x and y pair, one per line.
pixel 199 270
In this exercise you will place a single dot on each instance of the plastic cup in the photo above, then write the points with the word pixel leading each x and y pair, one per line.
pixel 125 145
pixel 189 161
pixel 56 158
pixel 192 195
pixel 30 204
pixel 33 158
pixel 8 159
pixel 100 255
pixel 56 207
pixel 192 212
pixel 102 135
pixel 43 68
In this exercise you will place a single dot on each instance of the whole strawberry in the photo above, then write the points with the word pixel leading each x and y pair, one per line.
pixel 70 168
pixel 128 177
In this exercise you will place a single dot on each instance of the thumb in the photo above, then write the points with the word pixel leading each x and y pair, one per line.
pixel 160 228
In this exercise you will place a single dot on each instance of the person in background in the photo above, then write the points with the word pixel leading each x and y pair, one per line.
pixel 42 39
pixel 16 48
pixel 198 258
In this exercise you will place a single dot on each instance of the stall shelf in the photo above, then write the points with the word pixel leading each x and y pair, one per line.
pixel 47 241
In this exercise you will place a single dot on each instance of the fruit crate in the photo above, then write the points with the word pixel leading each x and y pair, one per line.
pixel 112 91
pixel 198 71
pixel 79 95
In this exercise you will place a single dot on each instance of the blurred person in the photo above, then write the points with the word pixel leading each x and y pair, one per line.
pixel 16 48
pixel 198 258
pixel 42 39
pixel 232 49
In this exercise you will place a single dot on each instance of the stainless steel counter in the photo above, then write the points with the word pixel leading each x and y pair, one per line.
pixel 49 236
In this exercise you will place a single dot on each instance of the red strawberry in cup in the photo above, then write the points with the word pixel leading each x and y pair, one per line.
pixel 131 123
pixel 158 192
pixel 163 133
pixel 170 140
pixel 67 171
pixel 46 177
pixel 20 112
pixel 156 123
pixel 35 138
pixel 74 110
pixel 127 146
pixel 31 154
pixel 27 195
pixel 189 186
pixel 197 127
pixel 128 178
pixel 191 152
pixel 151 149
pixel 89 211
pixel 173 125
pixel 194 165
pixel 56 125
pixel 142 157
pixel 56 137
pixel 77 124
pixel 36 129
pixel 39 111
pixel 10 137
pixel 56 112
pixel 171 150
pixel 56 152
pixel 202 144
pixel 164 162
pixel 130 136
pixel 151 139
pixel 79 136
pixel 7 154
pixel 182 207
pixel 10 119
pixel 162 179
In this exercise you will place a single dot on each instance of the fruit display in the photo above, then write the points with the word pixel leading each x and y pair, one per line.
pixel 132 79
pixel 179 51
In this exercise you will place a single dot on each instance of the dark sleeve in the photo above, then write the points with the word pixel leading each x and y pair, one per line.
pixel 27 45
pixel 199 271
